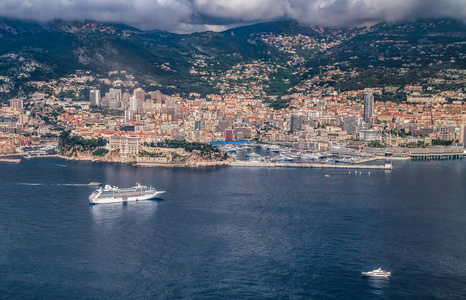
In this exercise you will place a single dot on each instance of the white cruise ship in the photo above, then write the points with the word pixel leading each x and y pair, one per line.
pixel 110 194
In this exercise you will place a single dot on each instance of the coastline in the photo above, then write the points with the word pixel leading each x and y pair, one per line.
pixel 115 159
pixel 39 156
pixel 184 165
pixel 206 164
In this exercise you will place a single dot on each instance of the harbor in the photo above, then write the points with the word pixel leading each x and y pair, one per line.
pixel 275 156
pixel 266 155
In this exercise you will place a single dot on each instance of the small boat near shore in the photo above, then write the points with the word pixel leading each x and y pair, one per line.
pixel 377 273
pixel 110 194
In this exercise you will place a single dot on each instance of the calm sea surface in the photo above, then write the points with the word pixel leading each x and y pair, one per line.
pixel 233 233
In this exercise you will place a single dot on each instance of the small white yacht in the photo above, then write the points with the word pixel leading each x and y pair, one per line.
pixel 376 273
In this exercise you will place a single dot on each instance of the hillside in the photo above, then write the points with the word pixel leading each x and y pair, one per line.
pixel 187 63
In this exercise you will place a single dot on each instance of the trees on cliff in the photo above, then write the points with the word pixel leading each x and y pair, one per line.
pixel 68 144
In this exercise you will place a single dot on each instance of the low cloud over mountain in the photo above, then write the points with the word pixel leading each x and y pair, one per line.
pixel 200 15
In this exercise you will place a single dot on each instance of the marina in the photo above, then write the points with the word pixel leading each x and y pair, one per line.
pixel 276 156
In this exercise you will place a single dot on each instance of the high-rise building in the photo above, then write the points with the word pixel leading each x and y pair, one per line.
pixel 17 104
pixel 113 104
pixel 115 94
pixel 368 106
pixel 125 99
pixel 105 101
pixel 351 123
pixel 157 96
pixel 199 125
pixel 140 94
pixel 129 115
pixel 295 125
pixel 114 98
pixel 95 97
pixel 229 135
pixel 133 103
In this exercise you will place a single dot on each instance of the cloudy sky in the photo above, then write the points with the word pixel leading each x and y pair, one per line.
pixel 201 15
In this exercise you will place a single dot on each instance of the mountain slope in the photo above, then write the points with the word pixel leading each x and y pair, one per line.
pixel 33 51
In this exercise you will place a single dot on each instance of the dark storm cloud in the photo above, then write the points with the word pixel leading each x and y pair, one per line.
pixel 191 15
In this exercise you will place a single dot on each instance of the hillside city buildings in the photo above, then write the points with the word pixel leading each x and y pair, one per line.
pixel 320 119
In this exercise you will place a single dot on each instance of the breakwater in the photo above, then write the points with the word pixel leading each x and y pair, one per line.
pixel 10 160
pixel 310 165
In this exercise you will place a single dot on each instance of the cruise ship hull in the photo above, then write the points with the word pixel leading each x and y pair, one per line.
pixel 116 195
pixel 126 199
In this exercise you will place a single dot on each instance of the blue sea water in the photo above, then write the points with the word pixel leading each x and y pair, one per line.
pixel 233 233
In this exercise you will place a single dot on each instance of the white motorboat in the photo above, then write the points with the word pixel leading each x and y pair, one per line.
pixel 377 273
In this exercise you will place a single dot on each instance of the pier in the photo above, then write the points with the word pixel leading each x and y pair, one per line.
pixel 309 165
pixel 437 156
pixel 363 160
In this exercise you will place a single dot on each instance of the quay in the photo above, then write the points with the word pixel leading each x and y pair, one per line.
pixel 309 165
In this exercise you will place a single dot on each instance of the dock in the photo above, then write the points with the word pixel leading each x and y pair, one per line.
pixel 309 165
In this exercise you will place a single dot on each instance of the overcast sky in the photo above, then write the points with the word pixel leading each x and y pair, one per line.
pixel 201 15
